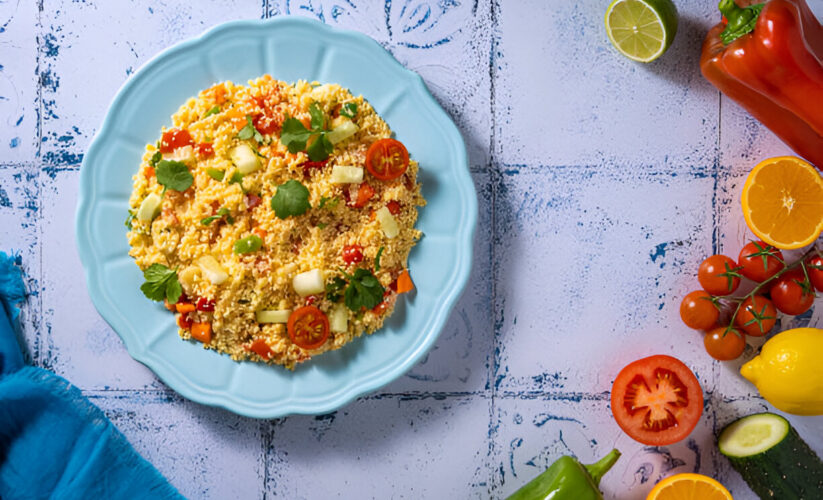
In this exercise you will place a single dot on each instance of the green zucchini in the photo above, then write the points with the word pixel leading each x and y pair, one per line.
pixel 772 458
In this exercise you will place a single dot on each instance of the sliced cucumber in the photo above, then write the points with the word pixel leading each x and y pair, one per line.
pixel 342 129
pixel 339 319
pixel 771 457
pixel 244 158
pixel 343 174
pixel 273 316
pixel 149 208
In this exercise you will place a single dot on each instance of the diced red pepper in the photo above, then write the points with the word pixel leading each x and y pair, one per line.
pixel 352 254
pixel 175 138
pixel 204 150
pixel 261 348
pixel 394 207
pixel 204 304
pixel 183 321
pixel 364 194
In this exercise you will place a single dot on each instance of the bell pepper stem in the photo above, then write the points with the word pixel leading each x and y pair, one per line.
pixel 740 20
pixel 601 467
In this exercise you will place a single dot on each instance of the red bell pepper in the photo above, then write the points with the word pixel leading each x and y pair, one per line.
pixel 769 59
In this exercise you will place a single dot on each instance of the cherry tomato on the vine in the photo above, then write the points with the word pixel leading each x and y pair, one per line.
pixel 815 268
pixel 756 316
pixel 719 275
pixel 724 345
pixel 697 310
pixel 792 293
pixel 760 261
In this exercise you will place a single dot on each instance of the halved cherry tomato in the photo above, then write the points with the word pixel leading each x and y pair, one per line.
pixel 719 275
pixel 364 194
pixel 697 310
pixel 724 345
pixel 387 159
pixel 657 400
pixel 394 207
pixel 756 316
pixel 261 348
pixel 308 327
pixel 792 294
pixel 204 150
pixel 815 268
pixel 759 261
pixel 204 304
pixel 201 332
pixel 175 138
pixel 352 254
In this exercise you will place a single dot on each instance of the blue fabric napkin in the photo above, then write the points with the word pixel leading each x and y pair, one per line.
pixel 53 442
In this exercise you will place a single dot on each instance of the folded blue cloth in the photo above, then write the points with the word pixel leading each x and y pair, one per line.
pixel 53 442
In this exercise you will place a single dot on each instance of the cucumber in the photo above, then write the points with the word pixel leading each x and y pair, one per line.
pixel 149 208
pixel 772 458
pixel 343 128
pixel 244 158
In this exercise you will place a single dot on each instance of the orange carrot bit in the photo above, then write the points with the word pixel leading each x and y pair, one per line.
pixel 260 232
pixel 201 332
pixel 149 172
pixel 184 307
pixel 171 307
pixel 404 282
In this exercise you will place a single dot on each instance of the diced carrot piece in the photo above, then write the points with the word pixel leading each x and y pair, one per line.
pixel 404 282
pixel 149 172
pixel 261 348
pixel 201 332
pixel 184 307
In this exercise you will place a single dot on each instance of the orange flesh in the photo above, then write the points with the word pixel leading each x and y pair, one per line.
pixel 659 403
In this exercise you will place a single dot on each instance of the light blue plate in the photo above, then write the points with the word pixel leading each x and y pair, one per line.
pixel 289 49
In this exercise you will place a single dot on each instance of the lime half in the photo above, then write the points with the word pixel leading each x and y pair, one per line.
pixel 641 30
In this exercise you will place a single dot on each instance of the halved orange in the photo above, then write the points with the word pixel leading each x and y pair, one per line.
pixel 689 487
pixel 783 202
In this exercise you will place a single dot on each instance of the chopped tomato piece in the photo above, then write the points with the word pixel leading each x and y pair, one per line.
pixel 308 327
pixel 404 282
pixel 388 299
pixel 364 194
pixel 201 332
pixel 204 149
pixel 183 321
pixel 657 400
pixel 394 207
pixel 308 165
pixel 352 254
pixel 204 304
pixel 184 307
pixel 387 159
pixel 261 348
pixel 175 138
pixel 149 172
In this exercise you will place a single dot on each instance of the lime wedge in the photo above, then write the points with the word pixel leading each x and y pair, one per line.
pixel 641 30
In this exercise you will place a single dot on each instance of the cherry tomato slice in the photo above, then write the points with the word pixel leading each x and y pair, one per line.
pixel 724 345
pixel 697 310
pixel 759 261
pixel 175 138
pixel 792 294
pixel 719 275
pixel 815 268
pixel 352 254
pixel 387 159
pixel 756 316
pixel 308 327
pixel 657 400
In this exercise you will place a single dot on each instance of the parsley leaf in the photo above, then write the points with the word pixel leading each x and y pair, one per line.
pixel 157 156
pixel 294 135
pixel 334 288
pixel 291 198
pixel 364 290
pixel 377 259
pixel 212 111
pixel 249 131
pixel 318 118
pixel 320 148
pixel 174 175
pixel 329 203
pixel 161 283
pixel 129 219
pixel 248 244
pixel 349 110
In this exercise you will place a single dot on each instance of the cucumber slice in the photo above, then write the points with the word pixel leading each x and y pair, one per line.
pixel 244 159
pixel 771 457
pixel 149 208
pixel 273 316
pixel 339 319
pixel 343 129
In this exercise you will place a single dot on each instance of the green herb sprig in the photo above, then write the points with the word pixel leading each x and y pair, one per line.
pixel 249 132
pixel 291 198
pixel 363 291
pixel 161 283
pixel 173 175
pixel 295 136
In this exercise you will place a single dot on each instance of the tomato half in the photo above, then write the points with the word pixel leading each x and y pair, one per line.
pixel 792 293
pixel 308 327
pixel 760 261
pixel 697 310
pixel 387 159
pixel 719 275
pixel 657 400
pixel 175 138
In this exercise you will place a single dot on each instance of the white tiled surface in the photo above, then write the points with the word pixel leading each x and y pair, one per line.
pixel 601 183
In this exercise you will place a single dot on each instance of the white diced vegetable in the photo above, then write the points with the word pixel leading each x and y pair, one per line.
pixel 149 208
pixel 387 222
pixel 271 316
pixel 339 319
pixel 244 158
pixel 212 269
pixel 309 283
pixel 183 154
pixel 187 276
pixel 343 174
pixel 342 129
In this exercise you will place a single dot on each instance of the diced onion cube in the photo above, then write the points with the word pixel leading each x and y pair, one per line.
pixel 343 128
pixel 212 269
pixel 244 158
pixel 309 283
pixel 387 222
pixel 339 319
pixel 343 174
pixel 149 208
pixel 270 316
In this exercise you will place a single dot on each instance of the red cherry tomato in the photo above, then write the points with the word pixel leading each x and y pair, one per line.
pixel 697 310
pixel 814 266
pixel 204 304
pixel 756 316
pixel 760 261
pixel 657 400
pixel 308 327
pixel 724 345
pixel 394 207
pixel 352 254
pixel 719 275
pixel 387 159
pixel 204 150
pixel 792 294
pixel 175 138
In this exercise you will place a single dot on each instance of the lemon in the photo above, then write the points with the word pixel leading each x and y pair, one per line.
pixel 641 30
